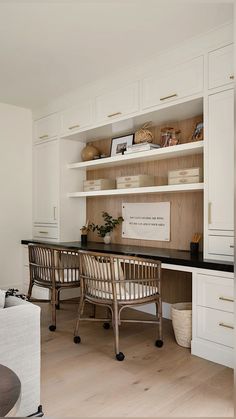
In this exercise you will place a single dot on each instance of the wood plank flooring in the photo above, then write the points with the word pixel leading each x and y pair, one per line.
pixel 86 381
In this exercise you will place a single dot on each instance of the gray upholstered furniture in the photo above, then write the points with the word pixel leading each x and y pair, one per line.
pixel 20 349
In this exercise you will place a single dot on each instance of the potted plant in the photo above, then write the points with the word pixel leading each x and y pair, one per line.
pixel 106 229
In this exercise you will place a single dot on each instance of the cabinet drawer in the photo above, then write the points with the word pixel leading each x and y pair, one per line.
pixel 117 103
pixel 47 127
pixel 215 325
pixel 43 232
pixel 181 81
pixel 221 245
pixel 215 292
pixel 220 67
pixel 76 118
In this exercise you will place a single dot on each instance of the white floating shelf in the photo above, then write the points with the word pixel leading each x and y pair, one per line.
pixel 190 187
pixel 156 154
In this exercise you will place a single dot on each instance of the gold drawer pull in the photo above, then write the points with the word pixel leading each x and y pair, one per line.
pixel 43 136
pixel 231 77
pixel 127 185
pixel 209 212
pixel 231 246
pixel 183 180
pixel 114 114
pixel 228 326
pixel 231 300
pixel 43 232
pixel 168 97
pixel 74 126
pixel 183 173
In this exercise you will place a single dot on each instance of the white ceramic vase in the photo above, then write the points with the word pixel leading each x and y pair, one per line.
pixel 107 238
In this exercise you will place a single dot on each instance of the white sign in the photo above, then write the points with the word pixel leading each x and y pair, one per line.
pixel 146 221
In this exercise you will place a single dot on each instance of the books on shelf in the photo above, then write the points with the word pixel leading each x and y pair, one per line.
pixel 141 147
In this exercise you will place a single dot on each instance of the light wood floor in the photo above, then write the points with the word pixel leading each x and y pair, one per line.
pixel 86 381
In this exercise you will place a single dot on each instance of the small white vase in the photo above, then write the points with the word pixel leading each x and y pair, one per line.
pixel 107 238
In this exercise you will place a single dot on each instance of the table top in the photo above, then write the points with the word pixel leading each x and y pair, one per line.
pixel 10 391
pixel 169 256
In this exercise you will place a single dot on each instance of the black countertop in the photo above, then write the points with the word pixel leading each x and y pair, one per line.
pixel 171 256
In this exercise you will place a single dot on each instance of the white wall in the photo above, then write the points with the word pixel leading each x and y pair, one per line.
pixel 15 191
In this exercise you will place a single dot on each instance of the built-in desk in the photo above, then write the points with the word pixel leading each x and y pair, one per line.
pixel 212 293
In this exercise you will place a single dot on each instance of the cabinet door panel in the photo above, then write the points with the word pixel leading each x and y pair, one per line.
pixel 215 325
pixel 117 103
pixel 46 128
pixel 46 182
pixel 75 118
pixel 221 66
pixel 182 81
pixel 221 161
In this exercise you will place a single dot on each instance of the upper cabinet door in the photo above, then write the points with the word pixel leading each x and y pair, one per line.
pixel 175 83
pixel 121 102
pixel 46 128
pixel 75 118
pixel 221 67
pixel 221 161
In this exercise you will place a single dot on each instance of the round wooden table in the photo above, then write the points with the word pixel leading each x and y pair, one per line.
pixel 10 392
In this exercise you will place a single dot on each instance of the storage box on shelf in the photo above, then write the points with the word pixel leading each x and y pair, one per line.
pixel 99 184
pixel 136 181
pixel 193 175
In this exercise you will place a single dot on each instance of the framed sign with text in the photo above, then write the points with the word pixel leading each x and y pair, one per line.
pixel 150 221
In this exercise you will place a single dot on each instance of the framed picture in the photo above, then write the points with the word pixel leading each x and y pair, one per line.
pixel 197 134
pixel 119 144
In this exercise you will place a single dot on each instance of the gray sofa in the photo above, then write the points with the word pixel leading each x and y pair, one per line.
pixel 20 349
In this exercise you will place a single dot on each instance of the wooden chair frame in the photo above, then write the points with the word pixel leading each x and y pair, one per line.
pixel 117 282
pixel 55 269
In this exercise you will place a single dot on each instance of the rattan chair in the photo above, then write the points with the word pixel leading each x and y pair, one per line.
pixel 55 269
pixel 117 282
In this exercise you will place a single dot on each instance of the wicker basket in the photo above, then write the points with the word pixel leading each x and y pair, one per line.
pixel 181 314
pixel 143 135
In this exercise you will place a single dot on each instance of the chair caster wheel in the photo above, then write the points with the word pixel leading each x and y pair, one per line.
pixel 77 339
pixel 52 328
pixel 106 325
pixel 120 356
pixel 58 306
pixel 159 343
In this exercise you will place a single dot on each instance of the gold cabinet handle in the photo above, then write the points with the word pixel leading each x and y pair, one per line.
pixel 228 326
pixel 43 232
pixel 231 300
pixel 168 97
pixel 74 126
pixel 209 212
pixel 43 137
pixel 114 114
pixel 231 77
pixel 54 213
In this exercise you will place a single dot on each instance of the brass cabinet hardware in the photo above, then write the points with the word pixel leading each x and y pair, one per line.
pixel 43 232
pixel 228 326
pixel 231 300
pixel 74 126
pixel 168 97
pixel 231 77
pixel 54 213
pixel 114 114
pixel 209 212
pixel 43 136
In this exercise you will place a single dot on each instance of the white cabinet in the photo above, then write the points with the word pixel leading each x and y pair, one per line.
pixel 220 62
pixel 175 83
pixel 47 127
pixel 46 182
pixel 118 103
pixel 76 118
pixel 220 156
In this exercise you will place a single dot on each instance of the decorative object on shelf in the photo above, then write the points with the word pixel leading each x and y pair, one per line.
pixel 194 244
pixel 135 148
pixel 143 135
pixel 197 134
pixel 136 181
pixel 106 229
pixel 192 175
pixel 99 184
pixel 84 233
pixel 120 144
pixel 169 136
pixel 89 152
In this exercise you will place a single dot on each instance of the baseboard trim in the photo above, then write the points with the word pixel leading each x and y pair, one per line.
pixel 213 352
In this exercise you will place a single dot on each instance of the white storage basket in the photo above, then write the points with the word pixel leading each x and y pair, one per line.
pixel 181 314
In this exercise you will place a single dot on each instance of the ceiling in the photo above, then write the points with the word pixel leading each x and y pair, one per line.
pixel 48 48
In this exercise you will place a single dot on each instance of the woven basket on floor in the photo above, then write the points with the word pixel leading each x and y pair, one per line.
pixel 181 314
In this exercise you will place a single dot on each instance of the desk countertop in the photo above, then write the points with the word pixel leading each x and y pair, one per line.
pixel 170 256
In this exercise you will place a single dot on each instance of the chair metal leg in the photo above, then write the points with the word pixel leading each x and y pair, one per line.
pixel 58 299
pixel 119 355
pixel 159 341
pixel 80 312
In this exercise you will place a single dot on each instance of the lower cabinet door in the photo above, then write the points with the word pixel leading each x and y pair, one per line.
pixel 215 325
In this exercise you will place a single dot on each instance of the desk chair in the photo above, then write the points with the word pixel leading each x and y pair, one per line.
pixel 55 269
pixel 117 282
